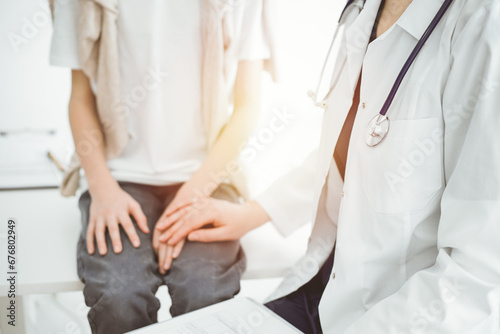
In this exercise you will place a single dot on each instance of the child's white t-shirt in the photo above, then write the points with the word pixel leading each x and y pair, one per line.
pixel 160 50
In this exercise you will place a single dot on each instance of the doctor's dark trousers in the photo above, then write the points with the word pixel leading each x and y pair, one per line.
pixel 300 308
pixel 120 288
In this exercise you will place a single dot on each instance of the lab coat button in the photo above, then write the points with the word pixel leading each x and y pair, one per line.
pixel 363 105
pixel 342 194
pixel 333 276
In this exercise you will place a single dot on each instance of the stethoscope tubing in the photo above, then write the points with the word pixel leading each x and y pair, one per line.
pixel 314 95
pixel 333 84
pixel 414 55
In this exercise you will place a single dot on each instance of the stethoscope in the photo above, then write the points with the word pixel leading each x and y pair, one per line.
pixel 379 126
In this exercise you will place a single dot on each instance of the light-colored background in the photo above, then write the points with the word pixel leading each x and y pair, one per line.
pixel 34 95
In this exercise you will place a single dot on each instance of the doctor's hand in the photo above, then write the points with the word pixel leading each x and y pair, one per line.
pixel 185 199
pixel 214 220
pixel 166 253
pixel 110 207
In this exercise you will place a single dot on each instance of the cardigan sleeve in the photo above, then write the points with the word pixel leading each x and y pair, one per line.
pixel 64 46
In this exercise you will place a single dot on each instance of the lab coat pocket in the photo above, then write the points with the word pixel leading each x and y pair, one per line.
pixel 405 171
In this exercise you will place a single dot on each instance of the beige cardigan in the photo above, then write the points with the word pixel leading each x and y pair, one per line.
pixel 98 48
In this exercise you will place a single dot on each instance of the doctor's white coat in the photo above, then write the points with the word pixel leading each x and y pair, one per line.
pixel 417 221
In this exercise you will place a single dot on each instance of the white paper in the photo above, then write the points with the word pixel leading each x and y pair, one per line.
pixel 235 316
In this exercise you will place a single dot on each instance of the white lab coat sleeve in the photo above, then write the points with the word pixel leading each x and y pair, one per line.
pixel 289 200
pixel 460 293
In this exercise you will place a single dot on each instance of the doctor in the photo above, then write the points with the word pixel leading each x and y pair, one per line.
pixel 407 226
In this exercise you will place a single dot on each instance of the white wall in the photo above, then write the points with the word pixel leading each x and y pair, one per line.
pixel 33 94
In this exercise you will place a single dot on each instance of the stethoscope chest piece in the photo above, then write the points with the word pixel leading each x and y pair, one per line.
pixel 377 130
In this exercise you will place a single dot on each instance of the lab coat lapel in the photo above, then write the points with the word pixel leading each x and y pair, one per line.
pixel 357 38
pixel 340 101
pixel 355 41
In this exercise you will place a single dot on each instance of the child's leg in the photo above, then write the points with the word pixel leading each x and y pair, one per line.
pixel 204 274
pixel 120 288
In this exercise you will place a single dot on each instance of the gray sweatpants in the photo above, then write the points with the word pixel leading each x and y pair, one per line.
pixel 120 288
